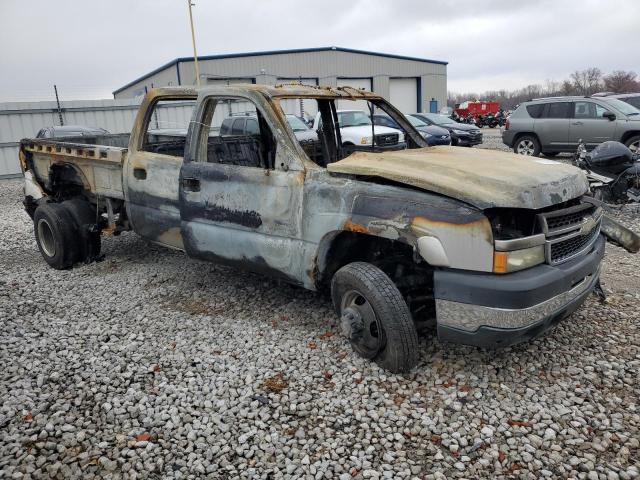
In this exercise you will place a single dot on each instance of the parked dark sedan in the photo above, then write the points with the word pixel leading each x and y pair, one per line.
pixel 434 135
pixel 70 131
pixel 462 134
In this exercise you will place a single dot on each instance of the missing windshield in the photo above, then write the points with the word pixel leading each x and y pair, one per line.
pixel 328 130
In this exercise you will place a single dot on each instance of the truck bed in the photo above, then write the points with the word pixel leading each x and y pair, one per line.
pixel 97 160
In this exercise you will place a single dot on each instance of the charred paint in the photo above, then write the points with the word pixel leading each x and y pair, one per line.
pixel 217 213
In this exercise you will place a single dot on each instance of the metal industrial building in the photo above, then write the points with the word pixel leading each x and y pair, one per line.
pixel 411 84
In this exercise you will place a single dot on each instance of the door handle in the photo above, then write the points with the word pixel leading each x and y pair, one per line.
pixel 191 184
pixel 577 123
pixel 140 173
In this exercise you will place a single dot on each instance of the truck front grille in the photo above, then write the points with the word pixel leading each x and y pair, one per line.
pixel 566 249
pixel 570 231
pixel 386 139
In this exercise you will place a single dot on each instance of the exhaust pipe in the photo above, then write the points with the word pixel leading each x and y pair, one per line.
pixel 620 235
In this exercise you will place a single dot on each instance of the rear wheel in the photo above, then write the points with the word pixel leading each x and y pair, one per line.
pixel 56 235
pixel 633 143
pixel 374 316
pixel 527 145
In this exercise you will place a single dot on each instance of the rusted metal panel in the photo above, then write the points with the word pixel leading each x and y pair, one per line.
pixel 620 235
pixel 483 178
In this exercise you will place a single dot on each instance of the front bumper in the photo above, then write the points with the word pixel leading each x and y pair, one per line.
pixel 491 311
pixel 467 140
pixel 432 141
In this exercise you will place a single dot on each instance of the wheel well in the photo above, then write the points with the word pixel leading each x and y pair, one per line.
pixel 412 275
pixel 523 134
pixel 628 135
pixel 65 182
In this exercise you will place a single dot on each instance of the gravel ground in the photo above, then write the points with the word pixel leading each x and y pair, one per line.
pixel 492 139
pixel 152 365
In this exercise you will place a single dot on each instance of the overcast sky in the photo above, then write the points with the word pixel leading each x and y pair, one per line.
pixel 89 47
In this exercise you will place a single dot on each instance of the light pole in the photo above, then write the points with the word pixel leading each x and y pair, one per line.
pixel 193 40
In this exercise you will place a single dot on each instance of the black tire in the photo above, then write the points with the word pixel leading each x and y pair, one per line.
pixel 84 218
pixel 527 145
pixel 375 317
pixel 56 235
pixel 633 143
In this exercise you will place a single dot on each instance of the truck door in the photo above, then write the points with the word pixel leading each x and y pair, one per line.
pixel 241 191
pixel 156 151
pixel 589 124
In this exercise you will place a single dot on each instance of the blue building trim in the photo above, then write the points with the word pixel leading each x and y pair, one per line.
pixel 419 94
pixel 275 52
pixel 177 72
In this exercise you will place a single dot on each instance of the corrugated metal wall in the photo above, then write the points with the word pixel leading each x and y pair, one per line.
pixel 325 66
pixel 20 120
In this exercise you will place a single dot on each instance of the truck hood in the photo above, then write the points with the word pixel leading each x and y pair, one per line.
pixel 483 178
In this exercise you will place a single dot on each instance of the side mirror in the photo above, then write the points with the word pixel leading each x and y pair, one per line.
pixel 609 115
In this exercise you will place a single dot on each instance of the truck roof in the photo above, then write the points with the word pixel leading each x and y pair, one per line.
pixel 286 90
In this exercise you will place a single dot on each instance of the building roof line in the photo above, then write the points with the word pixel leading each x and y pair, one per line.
pixel 274 52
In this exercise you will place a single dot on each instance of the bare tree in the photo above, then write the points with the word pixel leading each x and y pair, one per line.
pixel 587 82
pixel 620 81
pixel 581 82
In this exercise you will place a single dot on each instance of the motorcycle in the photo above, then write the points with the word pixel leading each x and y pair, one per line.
pixel 613 171
pixel 488 120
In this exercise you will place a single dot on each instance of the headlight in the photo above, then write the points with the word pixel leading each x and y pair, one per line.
pixel 507 262
pixel 365 141
pixel 459 132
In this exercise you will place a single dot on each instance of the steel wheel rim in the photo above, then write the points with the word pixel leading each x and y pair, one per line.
pixel 525 147
pixel 47 241
pixel 369 339
pixel 635 147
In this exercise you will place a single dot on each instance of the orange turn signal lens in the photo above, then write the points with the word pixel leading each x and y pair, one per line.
pixel 500 260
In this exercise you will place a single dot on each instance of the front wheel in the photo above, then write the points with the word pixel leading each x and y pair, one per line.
pixel 527 145
pixel 374 316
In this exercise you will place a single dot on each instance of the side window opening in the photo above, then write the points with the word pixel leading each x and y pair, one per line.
pixel 237 134
pixel 167 126
pixel 339 128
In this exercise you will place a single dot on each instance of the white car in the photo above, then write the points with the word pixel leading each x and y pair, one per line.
pixel 356 131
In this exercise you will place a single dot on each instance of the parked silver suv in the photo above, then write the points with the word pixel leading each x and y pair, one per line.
pixel 554 125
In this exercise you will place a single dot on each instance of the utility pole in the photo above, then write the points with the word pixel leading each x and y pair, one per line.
pixel 55 89
pixel 193 40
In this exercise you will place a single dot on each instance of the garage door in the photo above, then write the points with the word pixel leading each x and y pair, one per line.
pixel 229 81
pixel 359 83
pixel 308 108
pixel 403 94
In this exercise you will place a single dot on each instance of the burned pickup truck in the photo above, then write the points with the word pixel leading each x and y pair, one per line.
pixel 490 248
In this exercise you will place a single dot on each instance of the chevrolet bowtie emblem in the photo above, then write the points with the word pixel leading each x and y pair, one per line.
pixel 588 224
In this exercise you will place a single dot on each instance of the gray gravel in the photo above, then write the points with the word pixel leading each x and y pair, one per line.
pixel 152 365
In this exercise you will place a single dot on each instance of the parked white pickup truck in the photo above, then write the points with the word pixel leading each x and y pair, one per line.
pixel 357 131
